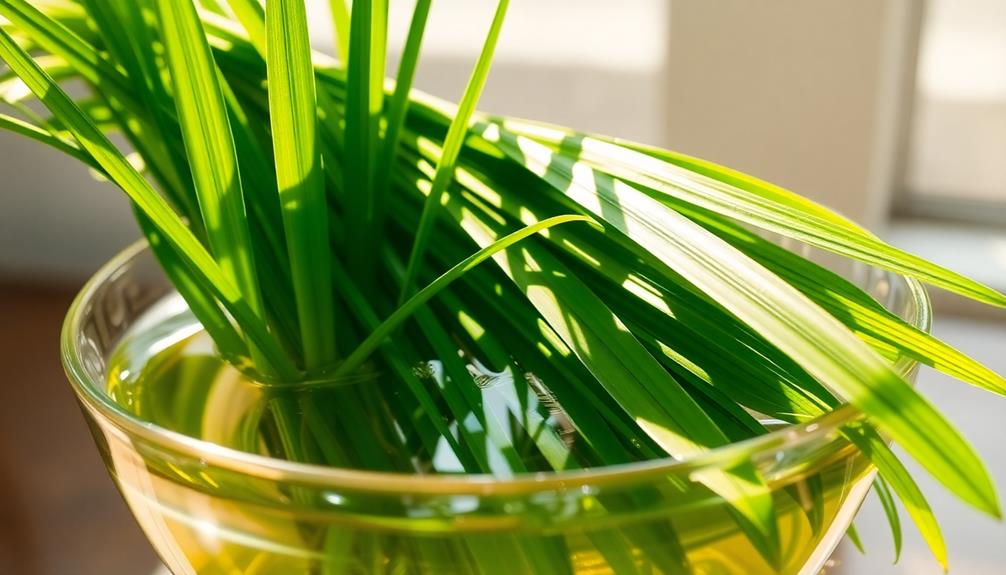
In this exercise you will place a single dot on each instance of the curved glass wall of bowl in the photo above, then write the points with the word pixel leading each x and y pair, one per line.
pixel 209 508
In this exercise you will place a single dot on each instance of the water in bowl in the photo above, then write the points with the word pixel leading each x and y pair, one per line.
pixel 206 518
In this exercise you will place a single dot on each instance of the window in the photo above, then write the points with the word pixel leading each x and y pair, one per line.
pixel 956 157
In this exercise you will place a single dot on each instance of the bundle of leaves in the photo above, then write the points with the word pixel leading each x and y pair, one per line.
pixel 300 203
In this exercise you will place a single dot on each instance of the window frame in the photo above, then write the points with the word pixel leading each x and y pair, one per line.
pixel 943 206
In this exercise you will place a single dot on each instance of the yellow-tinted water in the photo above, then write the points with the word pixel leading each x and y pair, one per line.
pixel 208 519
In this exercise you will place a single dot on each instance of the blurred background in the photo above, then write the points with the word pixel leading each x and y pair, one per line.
pixel 891 111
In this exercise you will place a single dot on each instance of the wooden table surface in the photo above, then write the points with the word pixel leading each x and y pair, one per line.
pixel 59 511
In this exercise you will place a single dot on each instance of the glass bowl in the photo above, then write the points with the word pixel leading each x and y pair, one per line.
pixel 209 509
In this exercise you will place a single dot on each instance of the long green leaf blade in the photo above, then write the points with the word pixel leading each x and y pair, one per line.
pixel 452 147
pixel 893 471
pixel 397 111
pixel 210 145
pixel 202 304
pixel 388 326
pixel 341 26
pixel 252 16
pixel 298 173
pixel 46 137
pixel 364 104
pixel 857 310
pixel 773 210
pixel 883 491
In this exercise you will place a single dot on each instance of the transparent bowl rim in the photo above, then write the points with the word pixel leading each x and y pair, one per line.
pixel 99 403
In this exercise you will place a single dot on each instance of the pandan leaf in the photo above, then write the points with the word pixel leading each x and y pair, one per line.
pixel 378 335
pixel 397 111
pixel 341 24
pixel 873 446
pixel 853 534
pixel 764 206
pixel 452 147
pixel 209 144
pixel 860 312
pixel 43 136
pixel 886 499
pixel 298 171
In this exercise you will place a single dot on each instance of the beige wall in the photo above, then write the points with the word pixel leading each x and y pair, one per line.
pixel 805 93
